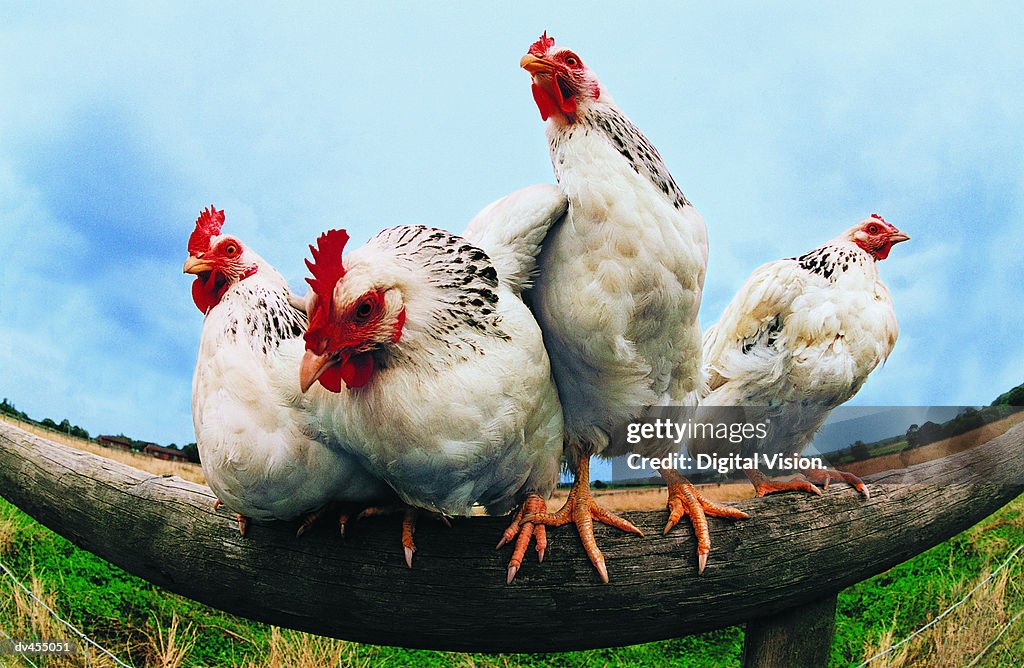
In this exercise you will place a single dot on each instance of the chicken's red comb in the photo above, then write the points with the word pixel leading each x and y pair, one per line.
pixel 878 217
pixel 326 267
pixel 208 225
pixel 541 46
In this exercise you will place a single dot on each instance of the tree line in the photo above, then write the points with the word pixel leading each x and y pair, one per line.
pixel 6 407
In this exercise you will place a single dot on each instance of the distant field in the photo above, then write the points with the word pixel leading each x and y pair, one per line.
pixel 936 450
pixel 186 471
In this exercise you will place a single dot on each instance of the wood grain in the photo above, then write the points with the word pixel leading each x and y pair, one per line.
pixel 794 549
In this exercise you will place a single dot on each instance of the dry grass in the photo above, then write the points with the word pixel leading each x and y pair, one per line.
pixel 190 472
pixel 653 498
pixel 963 635
pixel 169 647
pixel 293 649
pixel 27 619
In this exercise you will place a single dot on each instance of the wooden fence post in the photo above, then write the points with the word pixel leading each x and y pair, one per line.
pixel 798 637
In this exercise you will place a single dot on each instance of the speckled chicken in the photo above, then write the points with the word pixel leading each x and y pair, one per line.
pixel 619 286
pixel 262 451
pixel 441 382
pixel 800 338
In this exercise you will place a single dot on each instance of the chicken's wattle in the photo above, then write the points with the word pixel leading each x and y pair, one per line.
pixel 356 370
pixel 206 293
pixel 550 100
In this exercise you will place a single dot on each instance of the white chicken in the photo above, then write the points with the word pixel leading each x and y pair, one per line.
pixel 800 338
pixel 619 286
pixel 449 395
pixel 262 452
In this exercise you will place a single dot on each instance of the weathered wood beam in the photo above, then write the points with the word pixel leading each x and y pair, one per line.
pixel 794 549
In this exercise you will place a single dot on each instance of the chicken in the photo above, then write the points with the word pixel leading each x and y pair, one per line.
pixel 448 392
pixel 800 338
pixel 261 449
pixel 619 286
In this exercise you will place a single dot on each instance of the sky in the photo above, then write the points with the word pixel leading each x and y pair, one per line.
pixel 784 125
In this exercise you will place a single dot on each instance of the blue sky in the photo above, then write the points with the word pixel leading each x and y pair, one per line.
pixel 784 126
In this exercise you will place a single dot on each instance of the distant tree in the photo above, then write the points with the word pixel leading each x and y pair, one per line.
pixel 8 408
pixel 192 452
pixel 859 451
pixel 599 484
pixel 929 433
pixel 47 422
pixel 1015 397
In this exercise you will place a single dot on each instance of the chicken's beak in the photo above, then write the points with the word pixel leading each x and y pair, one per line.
pixel 897 237
pixel 535 65
pixel 196 265
pixel 312 367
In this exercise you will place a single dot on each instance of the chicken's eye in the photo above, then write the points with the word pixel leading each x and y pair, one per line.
pixel 572 61
pixel 365 309
pixel 873 229
pixel 231 250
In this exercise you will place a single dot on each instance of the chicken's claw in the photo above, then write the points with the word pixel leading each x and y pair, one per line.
pixel 311 518
pixel 533 505
pixel 684 499
pixel 241 518
pixel 409 518
pixel 764 485
pixel 243 524
pixel 581 509
pixel 824 476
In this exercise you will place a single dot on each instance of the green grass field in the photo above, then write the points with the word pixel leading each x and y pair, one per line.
pixel 147 626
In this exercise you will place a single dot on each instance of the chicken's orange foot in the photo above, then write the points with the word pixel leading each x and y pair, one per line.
pixel 243 523
pixel 824 476
pixel 409 517
pixel 311 518
pixel 343 521
pixel 533 505
pixel 764 485
pixel 581 509
pixel 684 499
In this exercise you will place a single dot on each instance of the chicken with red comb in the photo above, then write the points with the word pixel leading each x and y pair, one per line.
pixel 619 287
pixel 800 338
pixel 262 451
pixel 439 378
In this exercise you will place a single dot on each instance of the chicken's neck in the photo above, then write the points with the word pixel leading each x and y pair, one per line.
pixel 837 260
pixel 606 121
pixel 450 288
pixel 256 312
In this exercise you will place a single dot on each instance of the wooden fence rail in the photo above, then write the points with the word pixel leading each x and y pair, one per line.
pixel 778 572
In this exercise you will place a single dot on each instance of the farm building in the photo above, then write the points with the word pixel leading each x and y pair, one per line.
pixel 160 452
pixel 118 442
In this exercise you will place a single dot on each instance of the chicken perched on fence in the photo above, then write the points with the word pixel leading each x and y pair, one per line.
pixel 447 390
pixel 261 449
pixel 619 286
pixel 800 338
